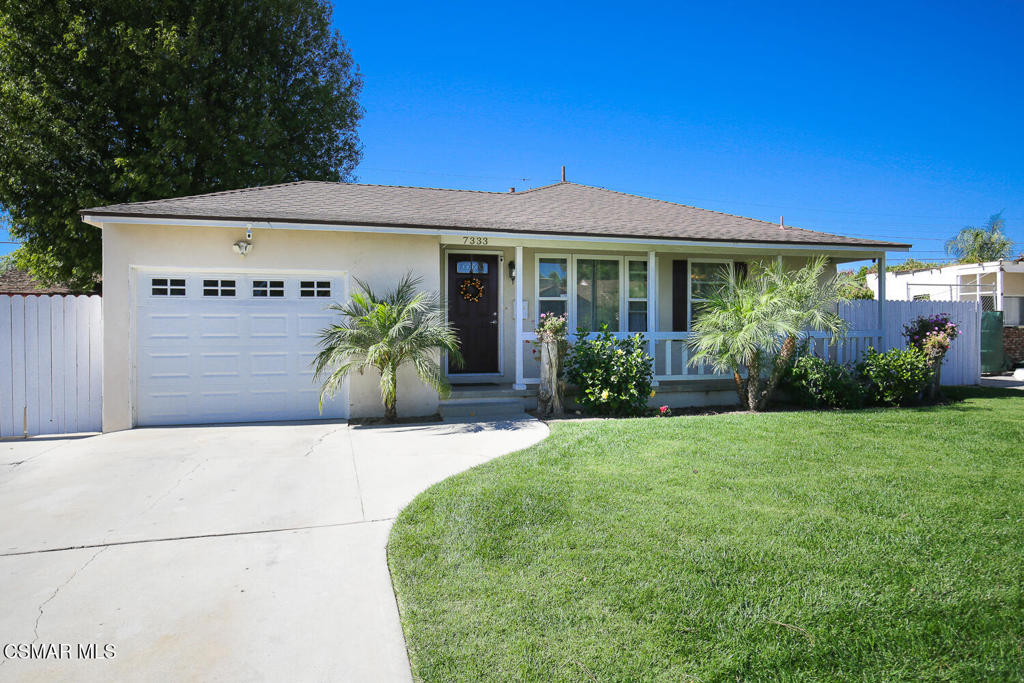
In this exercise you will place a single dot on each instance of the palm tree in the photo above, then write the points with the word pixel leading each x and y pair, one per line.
pixel 752 326
pixel 385 332
pixel 977 245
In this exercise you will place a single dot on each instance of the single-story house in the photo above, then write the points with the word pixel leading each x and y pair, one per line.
pixel 213 303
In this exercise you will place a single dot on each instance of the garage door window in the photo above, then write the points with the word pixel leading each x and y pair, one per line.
pixel 318 288
pixel 268 288
pixel 218 287
pixel 163 286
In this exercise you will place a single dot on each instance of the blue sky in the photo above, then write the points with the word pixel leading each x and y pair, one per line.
pixel 889 121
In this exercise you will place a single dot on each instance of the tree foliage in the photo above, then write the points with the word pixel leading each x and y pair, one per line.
pixel 977 245
pixel 108 101
pixel 383 332
pixel 752 326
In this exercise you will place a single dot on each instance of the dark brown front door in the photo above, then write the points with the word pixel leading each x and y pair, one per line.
pixel 473 310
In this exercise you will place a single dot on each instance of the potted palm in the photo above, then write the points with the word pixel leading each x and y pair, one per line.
pixel 383 332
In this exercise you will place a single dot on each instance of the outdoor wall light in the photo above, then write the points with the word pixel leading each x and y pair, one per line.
pixel 512 271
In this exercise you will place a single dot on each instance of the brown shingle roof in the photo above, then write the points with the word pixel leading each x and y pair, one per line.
pixel 16 281
pixel 563 208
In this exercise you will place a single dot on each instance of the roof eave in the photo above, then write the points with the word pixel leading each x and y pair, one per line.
pixel 95 218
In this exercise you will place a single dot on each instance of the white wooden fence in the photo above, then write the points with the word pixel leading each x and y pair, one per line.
pixel 50 364
pixel 962 364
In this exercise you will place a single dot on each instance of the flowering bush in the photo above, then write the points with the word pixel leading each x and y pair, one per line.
pixel 931 334
pixel 551 327
pixel 665 411
pixel 612 376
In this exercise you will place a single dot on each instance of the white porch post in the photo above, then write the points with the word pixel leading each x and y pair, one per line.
pixel 652 307
pixel 881 300
pixel 518 317
pixel 999 287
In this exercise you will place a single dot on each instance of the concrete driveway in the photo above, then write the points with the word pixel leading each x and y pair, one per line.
pixel 238 552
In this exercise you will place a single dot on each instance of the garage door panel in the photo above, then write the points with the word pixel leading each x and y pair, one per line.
pixel 269 364
pixel 265 326
pixel 312 325
pixel 167 326
pixel 223 358
pixel 219 326
pixel 219 364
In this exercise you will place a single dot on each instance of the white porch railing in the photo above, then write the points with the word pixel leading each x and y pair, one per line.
pixel 671 353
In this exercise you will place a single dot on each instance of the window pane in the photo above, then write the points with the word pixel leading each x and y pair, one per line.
pixel 638 279
pixel 637 316
pixel 703 290
pixel 553 277
pixel 706 278
pixel 597 292
pixel 553 306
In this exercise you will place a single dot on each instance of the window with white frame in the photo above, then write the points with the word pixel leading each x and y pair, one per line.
pixel 706 278
pixel 218 287
pixel 636 293
pixel 314 288
pixel 1013 311
pixel 598 293
pixel 552 285
pixel 163 286
pixel 267 288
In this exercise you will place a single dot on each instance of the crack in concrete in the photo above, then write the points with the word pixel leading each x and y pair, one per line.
pixel 318 442
pixel 37 455
pixel 35 627
pixel 355 472
pixel 141 541
pixel 174 486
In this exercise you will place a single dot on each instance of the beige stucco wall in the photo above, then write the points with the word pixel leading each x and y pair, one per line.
pixel 375 258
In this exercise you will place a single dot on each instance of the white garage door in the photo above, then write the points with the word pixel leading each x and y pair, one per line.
pixel 231 347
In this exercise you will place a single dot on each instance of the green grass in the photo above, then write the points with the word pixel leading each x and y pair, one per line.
pixel 871 545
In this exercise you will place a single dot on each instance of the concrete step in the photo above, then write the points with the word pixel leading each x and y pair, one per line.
pixel 479 391
pixel 483 407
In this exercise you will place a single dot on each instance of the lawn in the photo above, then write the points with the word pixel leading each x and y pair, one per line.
pixel 871 545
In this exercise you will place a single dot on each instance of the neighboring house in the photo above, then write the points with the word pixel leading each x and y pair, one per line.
pixel 997 285
pixel 15 281
pixel 212 303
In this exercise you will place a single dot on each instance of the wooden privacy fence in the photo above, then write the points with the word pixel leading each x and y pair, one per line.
pixel 50 364
pixel 962 364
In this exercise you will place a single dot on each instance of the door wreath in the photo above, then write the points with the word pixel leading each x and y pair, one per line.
pixel 471 289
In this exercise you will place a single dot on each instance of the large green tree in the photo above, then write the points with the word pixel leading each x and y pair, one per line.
pixel 106 101
pixel 978 245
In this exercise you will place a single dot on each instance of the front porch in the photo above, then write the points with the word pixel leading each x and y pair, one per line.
pixel 648 287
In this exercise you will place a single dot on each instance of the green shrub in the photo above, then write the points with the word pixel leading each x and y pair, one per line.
pixel 816 383
pixel 897 376
pixel 612 376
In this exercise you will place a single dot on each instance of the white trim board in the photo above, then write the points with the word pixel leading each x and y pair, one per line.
pixel 513 238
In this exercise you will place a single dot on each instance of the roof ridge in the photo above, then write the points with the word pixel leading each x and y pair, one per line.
pixel 691 206
pixel 409 187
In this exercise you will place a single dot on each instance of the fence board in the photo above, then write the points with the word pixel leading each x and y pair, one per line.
pixel 58 374
pixel 32 365
pixel 6 369
pixel 50 364
pixel 44 356
pixel 18 363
